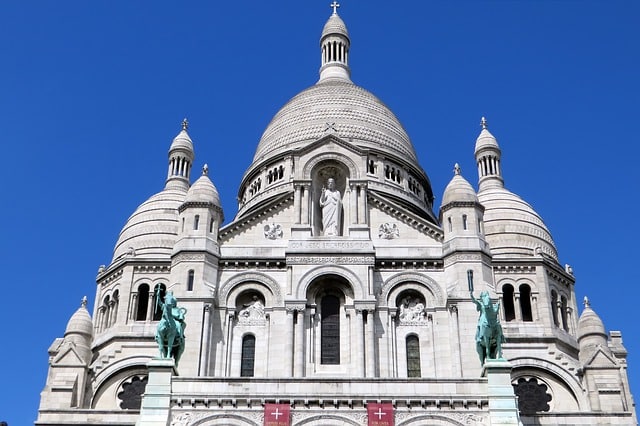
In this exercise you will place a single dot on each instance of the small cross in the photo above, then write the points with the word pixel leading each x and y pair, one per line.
pixel 277 414
pixel 380 413
pixel 205 169
pixel 330 126
pixel 456 169
pixel 185 124
pixel 483 123
pixel 335 7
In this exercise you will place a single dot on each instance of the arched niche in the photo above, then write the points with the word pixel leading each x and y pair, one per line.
pixel 321 175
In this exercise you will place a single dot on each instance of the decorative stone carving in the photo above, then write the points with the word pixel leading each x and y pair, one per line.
pixel 532 396
pixel 252 313
pixel 273 231
pixel 388 231
pixel 412 310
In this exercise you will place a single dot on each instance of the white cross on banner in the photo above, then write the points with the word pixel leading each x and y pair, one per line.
pixel 380 414
pixel 277 415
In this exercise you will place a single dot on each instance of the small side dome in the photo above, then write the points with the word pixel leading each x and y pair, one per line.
pixel 512 226
pixel 591 329
pixel 80 325
pixel 203 190
pixel 152 229
pixel 182 140
pixel 335 25
pixel 459 189
pixel 485 139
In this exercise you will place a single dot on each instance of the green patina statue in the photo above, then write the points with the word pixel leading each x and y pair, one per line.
pixel 489 337
pixel 170 331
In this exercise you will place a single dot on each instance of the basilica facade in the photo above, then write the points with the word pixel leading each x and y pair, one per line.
pixel 339 294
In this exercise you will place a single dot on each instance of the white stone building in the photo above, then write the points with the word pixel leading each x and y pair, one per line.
pixel 328 307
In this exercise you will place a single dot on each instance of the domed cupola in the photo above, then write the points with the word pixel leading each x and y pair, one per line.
pixel 200 215
pixel 511 226
pixel 591 332
pixel 335 44
pixel 150 232
pixel 461 215
pixel 79 331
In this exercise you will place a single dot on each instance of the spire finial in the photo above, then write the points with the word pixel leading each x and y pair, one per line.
pixel 205 170
pixel 335 5
pixel 456 169
pixel 483 123
pixel 586 302
pixel 185 124
pixel 83 303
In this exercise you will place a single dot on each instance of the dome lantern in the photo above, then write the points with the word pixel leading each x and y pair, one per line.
pixel 181 157
pixel 335 44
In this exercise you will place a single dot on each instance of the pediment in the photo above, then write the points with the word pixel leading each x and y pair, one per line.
pixel 329 140
pixel 261 225
pixel 396 212
pixel 601 358
pixel 68 357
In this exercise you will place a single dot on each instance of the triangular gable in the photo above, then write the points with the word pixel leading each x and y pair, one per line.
pixel 326 140
pixel 68 357
pixel 403 215
pixel 270 207
pixel 601 358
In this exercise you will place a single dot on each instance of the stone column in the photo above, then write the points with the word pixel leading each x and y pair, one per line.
pixel 456 356
pixel 156 401
pixel 150 306
pixel 297 198
pixel 362 204
pixel 288 349
pixel 359 336
pixel 298 350
pixel 305 204
pixel 517 307
pixel 206 337
pixel 353 204
pixel 370 338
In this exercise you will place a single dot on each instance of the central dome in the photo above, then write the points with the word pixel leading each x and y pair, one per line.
pixel 339 107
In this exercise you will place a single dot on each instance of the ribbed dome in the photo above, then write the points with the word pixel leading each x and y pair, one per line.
pixel 203 191
pixel 512 227
pixel 182 141
pixel 335 25
pixel 590 325
pixel 80 323
pixel 486 140
pixel 358 115
pixel 151 230
pixel 459 189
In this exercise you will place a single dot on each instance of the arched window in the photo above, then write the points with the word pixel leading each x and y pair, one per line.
pixel 563 307
pixel 190 280
pixel 196 222
pixel 508 303
pixel 143 302
pixel 158 291
pixel 525 302
pixel 464 222
pixel 330 330
pixel 450 224
pixel 211 223
pixel 248 355
pixel 113 314
pixel 413 356
pixel 105 313
pixel 554 307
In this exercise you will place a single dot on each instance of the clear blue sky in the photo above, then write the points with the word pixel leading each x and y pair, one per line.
pixel 92 93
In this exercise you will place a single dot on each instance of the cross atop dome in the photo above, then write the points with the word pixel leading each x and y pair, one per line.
pixel 456 169
pixel 185 124
pixel 335 5
pixel 483 123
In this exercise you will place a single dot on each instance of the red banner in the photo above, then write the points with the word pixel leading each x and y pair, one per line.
pixel 277 415
pixel 380 414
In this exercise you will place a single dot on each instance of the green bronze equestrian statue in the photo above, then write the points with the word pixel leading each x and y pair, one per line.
pixel 170 331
